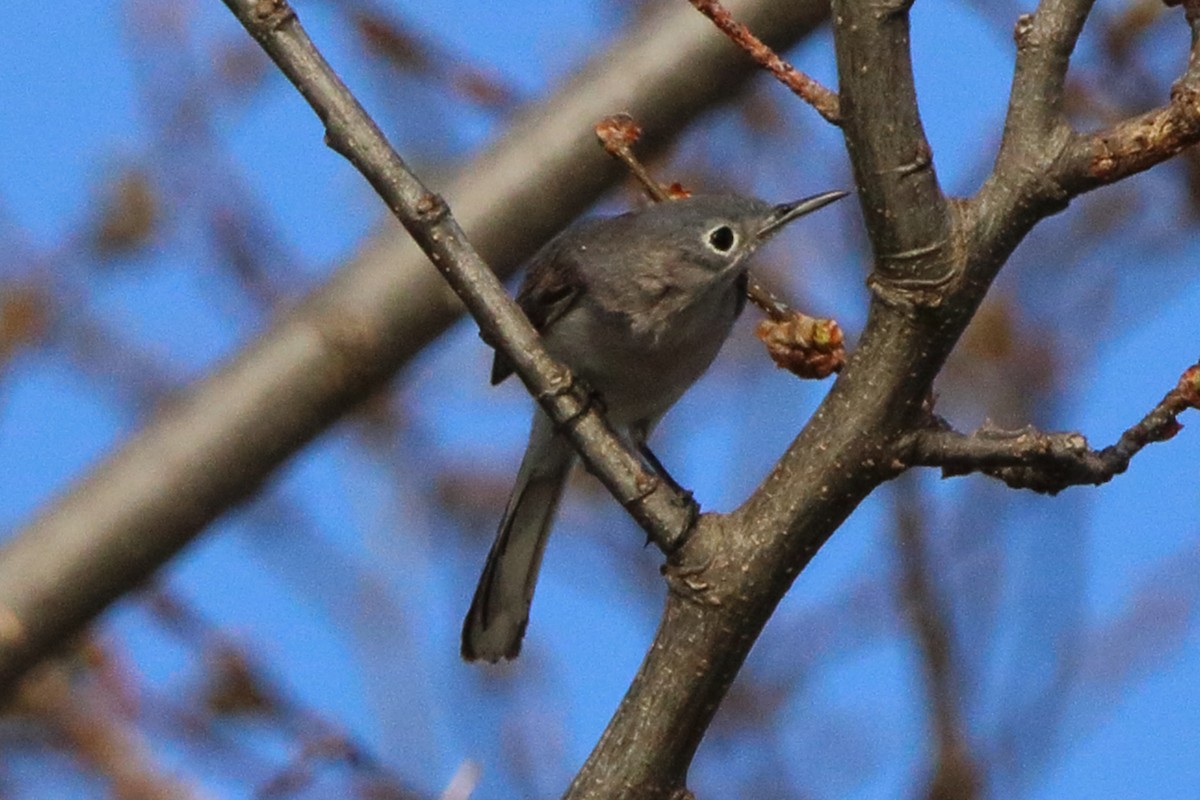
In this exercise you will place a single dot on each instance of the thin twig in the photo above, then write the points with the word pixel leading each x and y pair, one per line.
pixel 824 100
pixel 618 133
pixel 1049 462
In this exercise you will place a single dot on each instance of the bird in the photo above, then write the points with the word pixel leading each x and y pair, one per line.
pixel 637 307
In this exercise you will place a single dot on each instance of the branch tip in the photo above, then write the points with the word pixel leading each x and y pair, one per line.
pixel 1047 462
pixel 824 101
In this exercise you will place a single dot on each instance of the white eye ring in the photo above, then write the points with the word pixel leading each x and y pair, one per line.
pixel 721 239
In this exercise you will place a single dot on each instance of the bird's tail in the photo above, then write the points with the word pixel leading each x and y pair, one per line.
pixel 499 612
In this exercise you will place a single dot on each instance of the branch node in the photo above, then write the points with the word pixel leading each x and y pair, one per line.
pixel 912 293
pixel 1022 31
pixel 686 582
pixel 269 16
pixel 922 160
pixel 432 208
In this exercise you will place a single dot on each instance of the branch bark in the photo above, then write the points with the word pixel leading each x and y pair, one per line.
pixel 1050 462
pixel 216 445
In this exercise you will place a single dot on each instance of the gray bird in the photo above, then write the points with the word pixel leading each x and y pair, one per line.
pixel 637 306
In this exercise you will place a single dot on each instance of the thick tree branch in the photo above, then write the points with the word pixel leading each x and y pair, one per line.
pixel 1049 462
pixel 216 444
pixel 893 163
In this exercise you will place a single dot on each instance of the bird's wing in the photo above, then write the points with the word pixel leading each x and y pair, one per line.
pixel 551 287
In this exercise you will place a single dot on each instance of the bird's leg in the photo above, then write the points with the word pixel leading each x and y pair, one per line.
pixel 639 433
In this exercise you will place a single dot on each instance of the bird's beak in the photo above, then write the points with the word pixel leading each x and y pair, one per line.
pixel 784 213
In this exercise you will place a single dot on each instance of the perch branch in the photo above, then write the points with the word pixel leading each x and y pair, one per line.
pixel 663 512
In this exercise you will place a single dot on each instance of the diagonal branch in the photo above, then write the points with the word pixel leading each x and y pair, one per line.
pixel 665 513
pixel 1049 462
pixel 823 100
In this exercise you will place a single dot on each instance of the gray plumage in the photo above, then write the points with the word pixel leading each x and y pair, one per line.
pixel 637 306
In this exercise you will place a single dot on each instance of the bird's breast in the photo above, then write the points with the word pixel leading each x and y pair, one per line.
pixel 642 359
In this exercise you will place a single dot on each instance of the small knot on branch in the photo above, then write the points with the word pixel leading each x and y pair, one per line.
pixel 269 16
pixel 1022 31
pixel 688 582
pixel 432 208
pixel 901 292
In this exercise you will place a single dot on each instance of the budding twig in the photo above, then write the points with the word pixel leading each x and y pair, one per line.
pixel 823 100
pixel 1048 462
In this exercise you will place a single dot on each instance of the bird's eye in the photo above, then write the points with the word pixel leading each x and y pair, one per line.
pixel 722 239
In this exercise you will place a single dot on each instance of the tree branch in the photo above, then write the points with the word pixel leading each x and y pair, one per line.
pixel 824 101
pixel 215 446
pixel 893 162
pixel 1043 163
pixel 934 263
pixel 1045 40
pixel 1049 462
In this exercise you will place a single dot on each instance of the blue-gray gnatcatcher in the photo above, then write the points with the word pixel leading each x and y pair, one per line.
pixel 637 306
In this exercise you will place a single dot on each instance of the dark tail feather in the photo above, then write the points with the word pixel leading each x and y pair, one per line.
pixel 499 611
